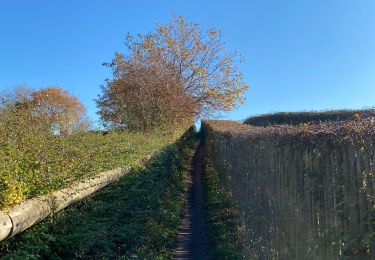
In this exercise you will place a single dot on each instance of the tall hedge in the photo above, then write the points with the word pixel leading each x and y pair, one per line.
pixel 296 118
pixel 304 192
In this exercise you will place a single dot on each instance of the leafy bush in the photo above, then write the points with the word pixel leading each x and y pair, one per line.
pixel 36 162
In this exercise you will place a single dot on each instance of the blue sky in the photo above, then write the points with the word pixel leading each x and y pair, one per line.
pixel 299 55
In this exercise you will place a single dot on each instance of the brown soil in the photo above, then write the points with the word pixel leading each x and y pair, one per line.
pixel 192 240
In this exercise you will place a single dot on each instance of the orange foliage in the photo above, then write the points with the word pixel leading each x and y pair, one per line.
pixel 195 60
pixel 61 111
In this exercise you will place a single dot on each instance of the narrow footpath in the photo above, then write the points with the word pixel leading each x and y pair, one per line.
pixel 192 240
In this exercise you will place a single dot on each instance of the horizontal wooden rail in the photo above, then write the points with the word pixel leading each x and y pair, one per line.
pixel 32 211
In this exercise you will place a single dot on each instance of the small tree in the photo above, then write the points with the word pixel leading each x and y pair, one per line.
pixel 145 98
pixel 193 60
pixel 63 112
pixel 48 109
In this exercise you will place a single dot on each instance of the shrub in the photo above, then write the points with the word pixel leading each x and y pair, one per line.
pixel 40 163
pixel 35 159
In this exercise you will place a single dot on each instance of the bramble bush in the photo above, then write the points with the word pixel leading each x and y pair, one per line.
pixel 35 161
pixel 49 164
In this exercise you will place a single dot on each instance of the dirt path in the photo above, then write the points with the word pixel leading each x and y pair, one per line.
pixel 192 241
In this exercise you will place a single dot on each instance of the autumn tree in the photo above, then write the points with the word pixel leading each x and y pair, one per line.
pixel 49 109
pixel 62 112
pixel 145 98
pixel 193 60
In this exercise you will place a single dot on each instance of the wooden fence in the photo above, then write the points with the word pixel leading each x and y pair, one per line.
pixel 304 192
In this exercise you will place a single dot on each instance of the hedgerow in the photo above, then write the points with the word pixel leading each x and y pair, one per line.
pixel 136 217
pixel 295 118
pixel 305 191
pixel 308 133
pixel 36 163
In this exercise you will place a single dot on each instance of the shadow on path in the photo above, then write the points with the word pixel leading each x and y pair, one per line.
pixel 192 240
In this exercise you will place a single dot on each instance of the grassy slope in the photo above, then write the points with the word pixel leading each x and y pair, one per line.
pixel 136 217
pixel 46 163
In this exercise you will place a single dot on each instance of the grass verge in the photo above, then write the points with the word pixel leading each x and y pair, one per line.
pixel 223 226
pixel 45 163
pixel 137 217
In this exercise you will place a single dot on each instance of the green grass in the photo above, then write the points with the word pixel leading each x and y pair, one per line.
pixel 40 163
pixel 137 217
pixel 223 224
